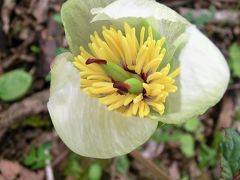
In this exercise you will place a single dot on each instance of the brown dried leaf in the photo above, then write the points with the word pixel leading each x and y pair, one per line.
pixel 174 171
pixel 13 170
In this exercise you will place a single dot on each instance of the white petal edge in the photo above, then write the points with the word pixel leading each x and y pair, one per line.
pixel 204 78
pixel 85 125
pixel 164 21
pixel 138 9
pixel 76 18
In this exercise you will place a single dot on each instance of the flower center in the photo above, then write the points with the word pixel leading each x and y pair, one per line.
pixel 123 73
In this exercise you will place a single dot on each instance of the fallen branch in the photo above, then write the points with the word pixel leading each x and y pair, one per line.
pixel 160 174
pixel 222 16
pixel 27 107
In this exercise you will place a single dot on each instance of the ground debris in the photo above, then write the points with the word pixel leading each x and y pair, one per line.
pixel 40 11
pixel 13 170
pixel 226 115
pixel 30 106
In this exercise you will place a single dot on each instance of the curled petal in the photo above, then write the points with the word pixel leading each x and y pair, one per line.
pixel 204 73
pixel 85 125
pixel 138 9
pixel 203 79
pixel 76 17
pixel 164 21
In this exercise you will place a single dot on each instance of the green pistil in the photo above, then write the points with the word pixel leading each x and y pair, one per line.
pixel 119 74
pixel 124 80
pixel 116 72
pixel 135 85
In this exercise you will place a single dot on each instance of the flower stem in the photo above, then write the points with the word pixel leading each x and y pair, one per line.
pixel 150 165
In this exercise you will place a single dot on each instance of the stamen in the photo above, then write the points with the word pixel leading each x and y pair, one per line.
pixel 122 70
pixel 121 86
pixel 96 61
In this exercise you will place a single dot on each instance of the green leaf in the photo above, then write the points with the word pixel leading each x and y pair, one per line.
pixel 161 136
pixel 95 172
pixel 217 139
pixel 14 84
pixel 192 125
pixel 230 148
pixel 187 145
pixel 36 158
pixel 35 49
pixel 30 159
pixel 48 77
pixel 234 59
pixel 47 145
pixel 201 19
pixel 73 167
pixel 207 156
pixel 122 164
pixel 57 18
pixel 60 51
pixel 186 140
pixel 184 177
pixel 226 170
pixel 36 122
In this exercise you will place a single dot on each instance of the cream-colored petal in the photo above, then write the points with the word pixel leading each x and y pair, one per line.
pixel 203 79
pixel 138 9
pixel 85 125
pixel 204 72
pixel 76 17
pixel 164 21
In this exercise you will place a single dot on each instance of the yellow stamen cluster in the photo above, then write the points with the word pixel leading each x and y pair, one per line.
pixel 141 57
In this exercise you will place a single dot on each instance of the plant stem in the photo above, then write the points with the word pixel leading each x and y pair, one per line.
pixel 150 165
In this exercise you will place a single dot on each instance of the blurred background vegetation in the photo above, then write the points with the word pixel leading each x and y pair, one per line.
pixel 31 35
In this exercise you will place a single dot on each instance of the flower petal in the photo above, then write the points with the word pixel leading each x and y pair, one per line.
pixel 85 125
pixel 76 19
pixel 203 79
pixel 138 9
pixel 164 21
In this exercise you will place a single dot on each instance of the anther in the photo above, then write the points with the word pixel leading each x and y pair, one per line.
pixel 121 86
pixel 96 61
pixel 125 67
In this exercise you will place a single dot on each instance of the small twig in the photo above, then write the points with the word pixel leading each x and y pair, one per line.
pixel 48 168
pixel 113 169
pixel 18 111
pixel 60 158
pixel 150 166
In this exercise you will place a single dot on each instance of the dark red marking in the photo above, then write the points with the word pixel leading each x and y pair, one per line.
pixel 144 77
pixel 123 87
pixel 120 92
pixel 125 67
pixel 96 61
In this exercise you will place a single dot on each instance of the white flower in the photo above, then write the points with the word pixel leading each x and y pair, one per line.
pixel 100 113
